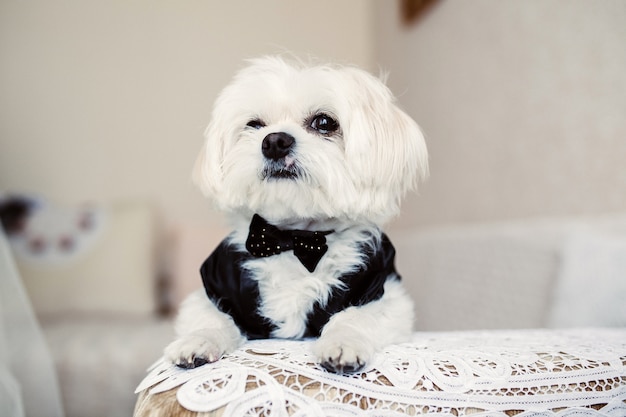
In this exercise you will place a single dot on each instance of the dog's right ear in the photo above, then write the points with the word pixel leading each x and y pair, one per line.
pixel 207 172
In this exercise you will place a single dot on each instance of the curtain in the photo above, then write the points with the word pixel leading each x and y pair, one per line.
pixel 28 383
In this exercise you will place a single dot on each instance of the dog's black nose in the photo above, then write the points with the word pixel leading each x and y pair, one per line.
pixel 277 145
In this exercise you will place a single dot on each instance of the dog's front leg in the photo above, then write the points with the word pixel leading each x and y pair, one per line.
pixel 204 333
pixel 352 336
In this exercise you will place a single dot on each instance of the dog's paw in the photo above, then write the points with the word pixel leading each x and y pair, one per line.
pixel 196 349
pixel 342 355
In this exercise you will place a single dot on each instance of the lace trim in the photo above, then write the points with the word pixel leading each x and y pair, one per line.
pixel 525 373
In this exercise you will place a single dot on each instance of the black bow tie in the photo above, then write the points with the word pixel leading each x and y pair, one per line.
pixel 265 240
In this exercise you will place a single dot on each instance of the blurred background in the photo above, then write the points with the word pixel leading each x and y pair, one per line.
pixel 103 107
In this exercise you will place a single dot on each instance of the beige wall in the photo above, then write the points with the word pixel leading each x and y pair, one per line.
pixel 523 104
pixel 108 100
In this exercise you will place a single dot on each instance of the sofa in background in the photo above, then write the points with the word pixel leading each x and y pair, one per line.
pixel 93 277
pixel 532 273
pixel 99 309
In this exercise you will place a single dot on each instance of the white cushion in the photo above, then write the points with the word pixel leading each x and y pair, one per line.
pixel 116 273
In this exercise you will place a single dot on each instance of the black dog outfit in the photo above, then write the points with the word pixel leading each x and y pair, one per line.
pixel 230 286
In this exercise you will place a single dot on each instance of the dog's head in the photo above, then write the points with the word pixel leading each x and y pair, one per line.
pixel 291 141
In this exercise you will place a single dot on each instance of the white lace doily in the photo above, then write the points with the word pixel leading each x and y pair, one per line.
pixel 540 373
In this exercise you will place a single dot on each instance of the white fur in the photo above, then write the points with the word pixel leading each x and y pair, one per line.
pixel 350 181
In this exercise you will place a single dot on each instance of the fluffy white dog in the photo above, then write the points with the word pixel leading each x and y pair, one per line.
pixel 310 162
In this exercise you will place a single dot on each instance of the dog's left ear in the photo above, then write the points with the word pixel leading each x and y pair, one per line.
pixel 412 148
pixel 403 157
pixel 386 147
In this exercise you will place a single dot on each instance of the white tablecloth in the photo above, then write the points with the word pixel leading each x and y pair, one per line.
pixel 539 373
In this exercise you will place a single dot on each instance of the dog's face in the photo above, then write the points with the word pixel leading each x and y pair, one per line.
pixel 294 142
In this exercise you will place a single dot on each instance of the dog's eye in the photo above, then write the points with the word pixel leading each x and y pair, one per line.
pixel 256 124
pixel 324 124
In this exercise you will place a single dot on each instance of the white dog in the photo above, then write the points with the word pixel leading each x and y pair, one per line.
pixel 310 162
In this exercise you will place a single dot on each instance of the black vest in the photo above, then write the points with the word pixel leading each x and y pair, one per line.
pixel 232 289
